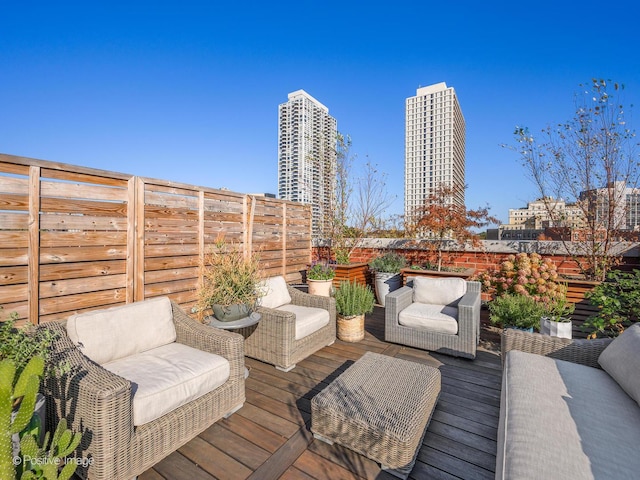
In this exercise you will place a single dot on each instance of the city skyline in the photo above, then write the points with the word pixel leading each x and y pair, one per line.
pixel 187 92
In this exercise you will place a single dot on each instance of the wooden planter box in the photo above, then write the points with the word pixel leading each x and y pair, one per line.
pixel 408 272
pixel 354 271
pixel 584 309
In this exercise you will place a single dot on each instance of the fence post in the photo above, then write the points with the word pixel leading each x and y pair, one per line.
pixel 34 246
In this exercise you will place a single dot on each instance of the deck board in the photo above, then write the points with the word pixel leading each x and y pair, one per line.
pixel 269 437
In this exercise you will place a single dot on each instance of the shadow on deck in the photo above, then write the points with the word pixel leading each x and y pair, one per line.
pixel 269 437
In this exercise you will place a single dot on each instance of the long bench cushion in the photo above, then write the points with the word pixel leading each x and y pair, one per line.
pixel 118 332
pixel 308 319
pixel 562 420
pixel 434 318
pixel 167 377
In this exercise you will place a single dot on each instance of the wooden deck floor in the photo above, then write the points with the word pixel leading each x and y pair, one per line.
pixel 269 437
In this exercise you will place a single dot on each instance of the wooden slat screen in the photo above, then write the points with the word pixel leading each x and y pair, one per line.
pixel 74 239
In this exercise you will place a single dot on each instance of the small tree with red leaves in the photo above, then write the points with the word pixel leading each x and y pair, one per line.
pixel 442 220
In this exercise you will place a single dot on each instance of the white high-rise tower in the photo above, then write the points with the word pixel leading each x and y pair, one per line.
pixel 307 156
pixel 434 146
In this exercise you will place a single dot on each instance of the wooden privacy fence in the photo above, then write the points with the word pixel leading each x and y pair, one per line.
pixel 74 239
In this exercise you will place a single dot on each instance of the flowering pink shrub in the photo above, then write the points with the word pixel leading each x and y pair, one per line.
pixel 524 274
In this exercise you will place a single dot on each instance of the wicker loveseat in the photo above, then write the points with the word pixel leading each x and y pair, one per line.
pixel 293 325
pixel 187 376
pixel 437 314
pixel 569 408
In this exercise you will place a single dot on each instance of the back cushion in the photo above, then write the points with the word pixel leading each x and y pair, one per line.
pixel 621 360
pixel 438 291
pixel 275 291
pixel 118 332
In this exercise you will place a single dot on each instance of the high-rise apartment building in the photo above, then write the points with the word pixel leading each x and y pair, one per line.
pixel 434 146
pixel 307 156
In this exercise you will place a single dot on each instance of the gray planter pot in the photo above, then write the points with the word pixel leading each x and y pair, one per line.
pixel 386 283
pixel 231 313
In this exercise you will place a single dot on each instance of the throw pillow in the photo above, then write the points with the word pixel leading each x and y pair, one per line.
pixel 438 291
pixel 621 360
pixel 275 294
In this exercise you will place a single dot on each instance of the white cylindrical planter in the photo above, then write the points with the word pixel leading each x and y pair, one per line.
pixel 556 329
pixel 386 283
pixel 320 287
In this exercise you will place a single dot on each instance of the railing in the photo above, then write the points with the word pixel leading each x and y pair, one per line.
pixel 75 239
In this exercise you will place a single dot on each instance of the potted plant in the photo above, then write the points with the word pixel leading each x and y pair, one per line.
pixel 387 274
pixel 516 311
pixel 353 301
pixel 556 320
pixel 230 283
pixel 320 279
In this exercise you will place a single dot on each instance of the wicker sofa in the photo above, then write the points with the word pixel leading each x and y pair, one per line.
pixel 187 376
pixel 569 408
pixel 293 325
pixel 437 314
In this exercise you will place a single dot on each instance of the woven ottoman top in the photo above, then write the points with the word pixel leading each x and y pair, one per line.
pixel 384 393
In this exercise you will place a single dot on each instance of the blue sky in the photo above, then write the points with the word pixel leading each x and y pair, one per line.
pixel 189 91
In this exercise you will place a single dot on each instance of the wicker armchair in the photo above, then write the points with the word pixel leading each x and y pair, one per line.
pixel 461 344
pixel 582 351
pixel 98 403
pixel 274 342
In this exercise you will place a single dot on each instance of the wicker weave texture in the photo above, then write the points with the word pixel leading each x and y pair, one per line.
pixel 351 329
pixel 379 407
pixel 585 352
pixel 273 340
pixel 97 403
pixel 463 344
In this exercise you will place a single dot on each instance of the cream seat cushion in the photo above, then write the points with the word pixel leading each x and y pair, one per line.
pixel 308 319
pixel 435 318
pixel 169 376
pixel 118 332
pixel 275 292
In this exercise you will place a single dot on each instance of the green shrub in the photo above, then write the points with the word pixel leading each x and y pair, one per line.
pixel 321 271
pixel 354 299
pixel 388 263
pixel 22 344
pixel 618 302
pixel 517 311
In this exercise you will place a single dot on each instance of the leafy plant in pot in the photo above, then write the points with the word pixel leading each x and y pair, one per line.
pixel 320 279
pixel 516 311
pixel 387 274
pixel 230 282
pixel 353 301
pixel 556 319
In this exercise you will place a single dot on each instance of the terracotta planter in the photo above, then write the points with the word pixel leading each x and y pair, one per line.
pixel 320 287
pixel 350 329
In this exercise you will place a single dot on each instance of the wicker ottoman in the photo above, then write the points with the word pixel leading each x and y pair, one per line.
pixel 379 407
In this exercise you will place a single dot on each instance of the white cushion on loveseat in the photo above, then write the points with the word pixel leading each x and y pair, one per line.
pixel 169 376
pixel 438 291
pixel 275 291
pixel 118 332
